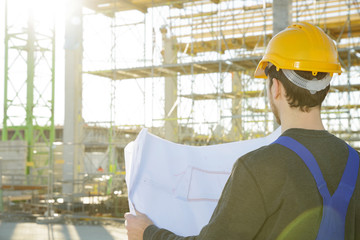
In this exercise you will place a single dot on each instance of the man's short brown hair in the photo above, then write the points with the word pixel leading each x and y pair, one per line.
pixel 297 96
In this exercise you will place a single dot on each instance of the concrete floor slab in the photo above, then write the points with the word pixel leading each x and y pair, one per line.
pixel 34 231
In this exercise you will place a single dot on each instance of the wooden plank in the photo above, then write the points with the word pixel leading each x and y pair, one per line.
pixel 109 7
pixel 183 68
pixel 22 187
pixel 331 23
pixel 325 9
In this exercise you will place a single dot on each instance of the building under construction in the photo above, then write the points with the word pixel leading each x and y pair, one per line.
pixel 182 69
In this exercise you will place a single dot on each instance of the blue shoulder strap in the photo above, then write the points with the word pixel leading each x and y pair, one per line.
pixel 334 207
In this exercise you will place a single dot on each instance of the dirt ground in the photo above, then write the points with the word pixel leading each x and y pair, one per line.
pixel 34 231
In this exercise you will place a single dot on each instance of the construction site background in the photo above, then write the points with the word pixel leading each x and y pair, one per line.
pixel 182 69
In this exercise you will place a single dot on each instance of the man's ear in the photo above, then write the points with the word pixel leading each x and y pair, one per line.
pixel 276 88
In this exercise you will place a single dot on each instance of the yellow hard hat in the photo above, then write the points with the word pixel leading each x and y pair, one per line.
pixel 301 46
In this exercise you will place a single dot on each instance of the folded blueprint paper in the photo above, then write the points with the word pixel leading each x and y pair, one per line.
pixel 178 186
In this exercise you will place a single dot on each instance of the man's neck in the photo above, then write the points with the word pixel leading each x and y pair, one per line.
pixel 295 118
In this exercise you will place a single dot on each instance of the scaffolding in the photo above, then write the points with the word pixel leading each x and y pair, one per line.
pixel 217 47
pixel 29 88
pixel 29 80
pixel 183 69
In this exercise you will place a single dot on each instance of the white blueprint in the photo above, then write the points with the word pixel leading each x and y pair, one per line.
pixel 178 186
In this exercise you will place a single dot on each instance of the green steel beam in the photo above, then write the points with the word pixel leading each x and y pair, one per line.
pixel 4 130
pixel 52 110
pixel 30 90
pixel 29 47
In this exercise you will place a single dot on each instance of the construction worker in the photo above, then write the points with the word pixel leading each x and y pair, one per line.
pixel 303 186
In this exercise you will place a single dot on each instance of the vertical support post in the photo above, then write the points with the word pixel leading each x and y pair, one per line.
pixel 52 109
pixel 6 67
pixel 170 56
pixel 282 16
pixel 50 181
pixel 1 192
pixel 73 123
pixel 236 109
pixel 52 131
pixel 348 70
pixel 111 147
pixel 30 90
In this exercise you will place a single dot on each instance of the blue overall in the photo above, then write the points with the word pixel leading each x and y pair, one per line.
pixel 332 226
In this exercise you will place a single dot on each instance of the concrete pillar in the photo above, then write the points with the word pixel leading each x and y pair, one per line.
pixel 73 123
pixel 281 15
pixel 170 56
pixel 282 18
pixel 236 110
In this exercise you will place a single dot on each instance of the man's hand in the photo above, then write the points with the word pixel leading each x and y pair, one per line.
pixel 136 225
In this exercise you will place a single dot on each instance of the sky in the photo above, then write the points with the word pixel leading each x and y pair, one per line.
pixel 96 56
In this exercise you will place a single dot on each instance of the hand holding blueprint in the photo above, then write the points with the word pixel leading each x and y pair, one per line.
pixel 178 186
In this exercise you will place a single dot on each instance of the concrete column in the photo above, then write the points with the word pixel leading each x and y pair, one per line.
pixel 170 56
pixel 29 133
pixel 236 110
pixel 73 123
pixel 282 17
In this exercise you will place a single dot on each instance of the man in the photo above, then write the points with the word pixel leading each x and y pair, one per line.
pixel 271 194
